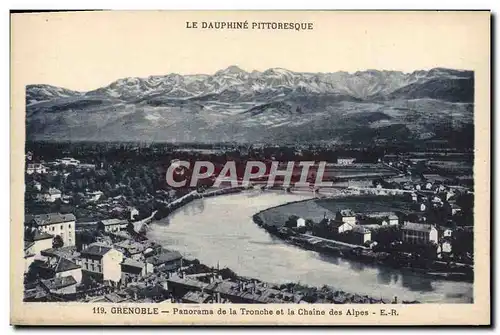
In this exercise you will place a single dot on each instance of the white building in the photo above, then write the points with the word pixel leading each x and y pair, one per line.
pixel 102 262
pixel 418 233
pixel 345 160
pixel 55 224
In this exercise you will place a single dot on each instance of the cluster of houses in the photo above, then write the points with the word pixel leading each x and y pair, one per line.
pixel 72 267
pixel 117 268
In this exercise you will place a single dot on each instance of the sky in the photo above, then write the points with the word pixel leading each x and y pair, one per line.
pixel 87 50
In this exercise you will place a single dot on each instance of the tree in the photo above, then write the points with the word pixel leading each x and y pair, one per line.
pixel 57 242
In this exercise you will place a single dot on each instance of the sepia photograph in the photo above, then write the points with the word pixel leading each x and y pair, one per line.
pixel 203 175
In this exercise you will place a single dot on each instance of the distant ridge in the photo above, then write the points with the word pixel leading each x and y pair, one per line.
pixel 273 105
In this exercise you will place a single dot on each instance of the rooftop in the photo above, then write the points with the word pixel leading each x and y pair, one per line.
pixel 390 215
pixel 65 265
pixel 347 212
pixel 53 191
pixel 110 222
pixel 360 229
pixel 115 297
pixel 417 227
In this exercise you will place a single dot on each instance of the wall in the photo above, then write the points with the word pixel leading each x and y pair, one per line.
pixel 76 273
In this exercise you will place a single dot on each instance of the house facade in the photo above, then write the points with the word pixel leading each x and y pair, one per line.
pixel 60 285
pixel 51 195
pixel 361 235
pixel 346 216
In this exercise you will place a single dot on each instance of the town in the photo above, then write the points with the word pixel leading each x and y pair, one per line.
pixel 87 218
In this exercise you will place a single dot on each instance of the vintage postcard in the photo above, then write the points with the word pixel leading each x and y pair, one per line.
pixel 250 168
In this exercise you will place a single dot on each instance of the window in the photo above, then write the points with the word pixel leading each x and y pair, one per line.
pixel 69 225
pixel 52 228
pixel 62 227
pixel 98 268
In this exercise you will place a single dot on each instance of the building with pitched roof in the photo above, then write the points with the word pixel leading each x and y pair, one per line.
pixel 419 233
pixel 56 267
pixel 131 249
pixel 55 224
pixel 101 262
pixel 112 225
pixel 361 235
pixel 165 260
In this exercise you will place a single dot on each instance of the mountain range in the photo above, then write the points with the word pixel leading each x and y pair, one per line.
pixel 274 106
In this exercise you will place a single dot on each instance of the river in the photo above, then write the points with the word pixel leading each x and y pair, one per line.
pixel 221 230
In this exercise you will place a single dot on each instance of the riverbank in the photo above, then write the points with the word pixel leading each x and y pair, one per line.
pixel 434 269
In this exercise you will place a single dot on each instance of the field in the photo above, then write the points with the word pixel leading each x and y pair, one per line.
pixel 317 209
